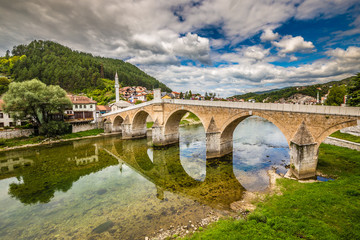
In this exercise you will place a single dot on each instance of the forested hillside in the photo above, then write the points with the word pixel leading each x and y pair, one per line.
pixel 74 71
pixel 311 90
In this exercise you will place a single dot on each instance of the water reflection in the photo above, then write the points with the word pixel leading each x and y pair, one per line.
pixel 106 188
pixel 219 189
pixel 52 171
pixel 258 145
pixel 193 151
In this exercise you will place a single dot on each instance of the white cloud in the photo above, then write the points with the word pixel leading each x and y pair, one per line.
pixel 256 52
pixel 290 44
pixel 293 58
pixel 309 9
pixel 269 35
pixel 350 54
pixel 149 33
pixel 258 76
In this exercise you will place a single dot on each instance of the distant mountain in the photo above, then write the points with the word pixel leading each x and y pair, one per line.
pixel 53 63
pixel 277 94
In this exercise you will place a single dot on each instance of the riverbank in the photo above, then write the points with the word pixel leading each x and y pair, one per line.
pixel 318 210
pixel 25 142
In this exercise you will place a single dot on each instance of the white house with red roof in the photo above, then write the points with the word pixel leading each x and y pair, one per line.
pixel 83 109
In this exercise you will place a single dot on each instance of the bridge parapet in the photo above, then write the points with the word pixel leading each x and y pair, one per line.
pixel 315 109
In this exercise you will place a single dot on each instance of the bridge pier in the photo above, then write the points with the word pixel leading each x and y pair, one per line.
pixel 107 127
pixel 215 148
pixel 159 138
pixel 128 131
pixel 303 154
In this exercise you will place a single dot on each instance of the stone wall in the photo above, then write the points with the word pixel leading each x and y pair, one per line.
pixel 15 133
pixel 83 127
pixel 355 130
pixel 342 143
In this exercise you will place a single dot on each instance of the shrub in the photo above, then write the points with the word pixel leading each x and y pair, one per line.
pixel 54 128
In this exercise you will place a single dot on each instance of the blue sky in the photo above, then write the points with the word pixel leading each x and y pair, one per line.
pixel 222 46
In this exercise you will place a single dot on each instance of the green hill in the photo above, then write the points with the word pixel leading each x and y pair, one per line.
pixel 53 63
pixel 275 95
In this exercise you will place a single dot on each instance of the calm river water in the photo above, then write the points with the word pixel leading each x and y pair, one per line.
pixel 107 188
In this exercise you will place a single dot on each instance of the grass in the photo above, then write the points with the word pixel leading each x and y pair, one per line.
pixel 149 124
pixel 92 132
pixel 346 136
pixel 14 142
pixel 322 210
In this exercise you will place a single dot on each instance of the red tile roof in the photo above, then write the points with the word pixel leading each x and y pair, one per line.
pixel 103 108
pixel 80 99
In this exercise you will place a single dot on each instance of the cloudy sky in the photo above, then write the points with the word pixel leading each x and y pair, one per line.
pixel 222 46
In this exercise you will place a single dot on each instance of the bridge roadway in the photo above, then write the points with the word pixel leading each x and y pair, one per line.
pixel 304 126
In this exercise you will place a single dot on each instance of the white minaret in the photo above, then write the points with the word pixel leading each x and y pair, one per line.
pixel 117 87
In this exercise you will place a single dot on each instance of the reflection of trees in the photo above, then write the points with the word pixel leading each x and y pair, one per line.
pixel 55 169
pixel 219 189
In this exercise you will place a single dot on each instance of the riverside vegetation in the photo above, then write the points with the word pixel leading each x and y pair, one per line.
pixel 15 142
pixel 319 210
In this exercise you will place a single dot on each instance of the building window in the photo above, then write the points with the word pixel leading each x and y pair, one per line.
pixel 76 106
pixel 1 115
pixel 2 124
pixel 84 106
pixel 80 106
pixel 9 115
pixel 91 106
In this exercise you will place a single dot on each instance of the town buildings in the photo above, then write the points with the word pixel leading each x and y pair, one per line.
pixel 5 118
pixel 83 109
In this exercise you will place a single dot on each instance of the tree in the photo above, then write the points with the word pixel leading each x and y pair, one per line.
pixel 336 96
pixel 33 100
pixel 4 83
pixel 354 91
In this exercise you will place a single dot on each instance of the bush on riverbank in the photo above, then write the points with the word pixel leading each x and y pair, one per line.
pixel 321 210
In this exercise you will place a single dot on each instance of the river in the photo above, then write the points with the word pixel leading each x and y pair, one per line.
pixel 108 188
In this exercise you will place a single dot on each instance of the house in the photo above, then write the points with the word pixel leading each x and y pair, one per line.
pixel 119 105
pixel 83 109
pixel 175 95
pixel 5 118
pixel 102 109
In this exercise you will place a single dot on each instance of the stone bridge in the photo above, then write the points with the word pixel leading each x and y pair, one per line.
pixel 305 127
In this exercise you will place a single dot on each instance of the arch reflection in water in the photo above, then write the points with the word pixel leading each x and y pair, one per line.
pixel 219 189
pixel 258 145
pixel 193 151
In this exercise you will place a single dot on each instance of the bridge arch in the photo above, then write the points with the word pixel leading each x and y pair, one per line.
pixel 172 122
pixel 319 139
pixel 139 121
pixel 228 128
pixel 116 126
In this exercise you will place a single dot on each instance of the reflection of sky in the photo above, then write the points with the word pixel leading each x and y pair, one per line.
pixel 193 151
pixel 258 145
pixel 150 153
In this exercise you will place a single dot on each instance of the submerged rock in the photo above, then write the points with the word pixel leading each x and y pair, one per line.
pixel 103 227
pixel 101 191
